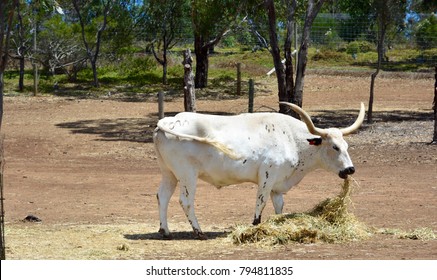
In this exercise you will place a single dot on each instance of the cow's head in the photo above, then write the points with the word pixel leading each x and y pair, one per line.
pixel 333 148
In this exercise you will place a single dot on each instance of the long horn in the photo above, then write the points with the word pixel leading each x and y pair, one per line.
pixel 307 120
pixel 356 124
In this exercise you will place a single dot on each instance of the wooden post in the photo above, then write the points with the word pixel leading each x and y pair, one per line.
pixel 239 78
pixel 35 49
pixel 434 139
pixel 189 92
pixel 251 95
pixel 160 104
pixel 2 210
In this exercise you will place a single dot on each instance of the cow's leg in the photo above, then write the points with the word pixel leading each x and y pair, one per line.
pixel 261 200
pixel 278 201
pixel 166 190
pixel 265 185
pixel 188 191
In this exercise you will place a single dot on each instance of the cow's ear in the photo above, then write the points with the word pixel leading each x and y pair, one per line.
pixel 315 141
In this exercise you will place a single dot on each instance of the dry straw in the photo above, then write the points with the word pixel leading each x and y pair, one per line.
pixel 329 222
pixel 415 234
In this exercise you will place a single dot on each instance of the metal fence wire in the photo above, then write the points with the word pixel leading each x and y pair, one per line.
pixel 413 42
pixel 338 36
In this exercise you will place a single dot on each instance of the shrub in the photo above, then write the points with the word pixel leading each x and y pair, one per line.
pixel 365 46
pixel 426 33
pixel 135 65
pixel 329 55
pixel 355 47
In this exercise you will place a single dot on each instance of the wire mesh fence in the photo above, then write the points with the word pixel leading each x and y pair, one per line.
pixel 411 46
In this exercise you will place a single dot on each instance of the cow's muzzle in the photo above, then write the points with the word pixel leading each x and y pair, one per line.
pixel 347 171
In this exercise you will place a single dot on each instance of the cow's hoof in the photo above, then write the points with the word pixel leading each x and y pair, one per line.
pixel 200 235
pixel 165 235
pixel 256 221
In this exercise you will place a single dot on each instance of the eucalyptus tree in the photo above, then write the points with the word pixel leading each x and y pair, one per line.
pixel 387 13
pixel 285 15
pixel 93 19
pixel 166 24
pixel 63 51
pixel 7 9
pixel 211 21
pixel 21 39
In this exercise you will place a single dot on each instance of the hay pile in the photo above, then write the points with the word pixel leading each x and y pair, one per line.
pixel 329 222
pixel 414 234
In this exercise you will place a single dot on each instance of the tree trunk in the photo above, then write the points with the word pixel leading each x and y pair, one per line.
pixel 163 61
pixel 164 67
pixel 21 74
pixel 202 62
pixel 189 91
pixel 372 90
pixel 1 98
pixel 302 58
pixel 276 55
pixel 95 76
pixel 93 57
pixel 297 97
pixel 289 75
pixel 35 49
pixel 22 49
pixel 380 48
pixel 434 139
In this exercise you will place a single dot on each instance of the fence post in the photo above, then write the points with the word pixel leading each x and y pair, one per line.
pixel 189 91
pixel 434 139
pixel 251 95
pixel 160 104
pixel 2 210
pixel 238 78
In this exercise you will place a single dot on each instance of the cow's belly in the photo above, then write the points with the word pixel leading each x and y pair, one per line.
pixel 227 174
pixel 221 181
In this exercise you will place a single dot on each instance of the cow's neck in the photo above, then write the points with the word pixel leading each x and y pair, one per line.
pixel 308 160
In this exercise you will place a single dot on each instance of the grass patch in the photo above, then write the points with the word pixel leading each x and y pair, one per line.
pixel 415 234
pixel 139 73
pixel 329 222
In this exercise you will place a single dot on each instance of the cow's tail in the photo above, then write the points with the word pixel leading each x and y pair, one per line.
pixel 221 147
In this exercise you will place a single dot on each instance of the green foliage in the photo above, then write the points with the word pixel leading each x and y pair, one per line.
pixel 426 33
pixel 330 56
pixel 356 47
pixel 228 41
pixel 353 48
pixel 132 65
pixel 213 16
pixel 324 31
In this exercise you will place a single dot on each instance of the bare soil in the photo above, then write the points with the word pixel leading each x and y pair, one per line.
pixel 87 169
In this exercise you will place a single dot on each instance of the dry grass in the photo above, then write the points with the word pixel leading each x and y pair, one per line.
pixel 330 221
pixel 415 234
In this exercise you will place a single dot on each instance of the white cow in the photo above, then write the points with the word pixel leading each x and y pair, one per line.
pixel 272 150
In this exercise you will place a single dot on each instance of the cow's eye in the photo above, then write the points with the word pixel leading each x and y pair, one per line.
pixel 336 148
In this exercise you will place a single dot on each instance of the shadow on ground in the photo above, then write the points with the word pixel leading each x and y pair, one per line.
pixel 180 235
pixel 344 118
pixel 141 129
pixel 120 129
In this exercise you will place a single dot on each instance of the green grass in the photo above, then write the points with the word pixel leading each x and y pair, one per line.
pixel 137 74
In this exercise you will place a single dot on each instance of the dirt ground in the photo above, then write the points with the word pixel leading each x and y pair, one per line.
pixel 87 169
